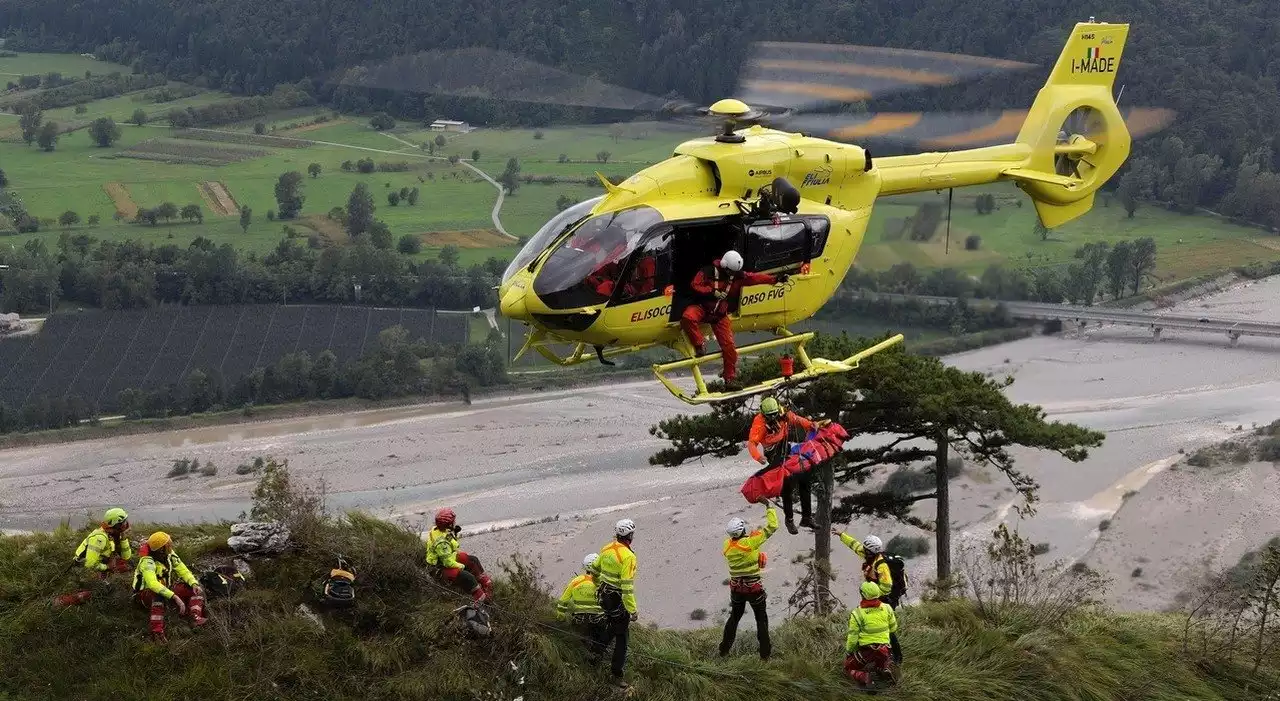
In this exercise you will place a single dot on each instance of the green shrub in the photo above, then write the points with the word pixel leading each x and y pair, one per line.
pixel 908 546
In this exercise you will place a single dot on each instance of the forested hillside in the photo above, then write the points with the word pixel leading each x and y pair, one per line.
pixel 1214 61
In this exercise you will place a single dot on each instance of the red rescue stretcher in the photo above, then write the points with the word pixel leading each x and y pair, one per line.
pixel 819 446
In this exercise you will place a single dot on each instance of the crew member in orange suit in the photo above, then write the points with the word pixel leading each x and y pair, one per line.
pixel 717 286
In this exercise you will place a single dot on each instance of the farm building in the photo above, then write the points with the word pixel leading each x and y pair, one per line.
pixel 450 125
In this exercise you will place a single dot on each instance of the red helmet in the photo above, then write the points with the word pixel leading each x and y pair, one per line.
pixel 445 518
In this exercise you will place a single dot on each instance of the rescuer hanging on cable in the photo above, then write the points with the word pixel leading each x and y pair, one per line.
pixel 742 552
pixel 717 289
pixel 448 562
pixel 772 431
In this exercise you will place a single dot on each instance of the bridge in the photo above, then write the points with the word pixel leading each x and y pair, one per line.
pixel 1233 329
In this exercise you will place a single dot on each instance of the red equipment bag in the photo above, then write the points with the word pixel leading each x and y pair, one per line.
pixel 819 447
pixel 765 484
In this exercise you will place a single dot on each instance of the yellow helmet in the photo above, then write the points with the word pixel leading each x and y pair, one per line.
pixel 115 517
pixel 770 407
pixel 159 540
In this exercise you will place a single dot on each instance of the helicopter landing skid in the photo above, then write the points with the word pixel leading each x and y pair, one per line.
pixel 812 367
pixel 542 342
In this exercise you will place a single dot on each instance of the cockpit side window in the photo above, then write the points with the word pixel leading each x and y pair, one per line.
pixel 559 224
pixel 585 268
pixel 649 271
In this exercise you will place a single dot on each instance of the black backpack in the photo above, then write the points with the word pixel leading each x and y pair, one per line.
pixel 898 572
pixel 337 589
pixel 221 582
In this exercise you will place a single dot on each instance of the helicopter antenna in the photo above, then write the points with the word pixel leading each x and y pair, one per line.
pixel 946 250
pixel 1119 94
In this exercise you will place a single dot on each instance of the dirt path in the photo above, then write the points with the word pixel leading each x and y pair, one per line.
pixel 219 198
pixel 502 193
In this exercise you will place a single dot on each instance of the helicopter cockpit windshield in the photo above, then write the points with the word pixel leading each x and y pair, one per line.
pixel 559 224
pixel 585 267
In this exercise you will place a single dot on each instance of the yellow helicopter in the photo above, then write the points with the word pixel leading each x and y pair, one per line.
pixel 612 275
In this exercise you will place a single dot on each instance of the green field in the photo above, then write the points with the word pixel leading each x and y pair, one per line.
pixel 66 64
pixel 1187 245
pixel 454 199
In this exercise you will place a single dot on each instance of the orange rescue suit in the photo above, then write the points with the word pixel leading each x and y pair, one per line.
pixel 762 438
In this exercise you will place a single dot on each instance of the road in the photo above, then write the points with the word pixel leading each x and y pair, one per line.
pixel 502 192
pixel 493 214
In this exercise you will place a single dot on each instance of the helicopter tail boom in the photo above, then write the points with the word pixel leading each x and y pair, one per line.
pixel 1071 141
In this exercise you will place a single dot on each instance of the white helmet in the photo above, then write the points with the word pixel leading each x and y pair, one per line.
pixel 624 528
pixel 737 528
pixel 873 545
pixel 589 562
pixel 731 260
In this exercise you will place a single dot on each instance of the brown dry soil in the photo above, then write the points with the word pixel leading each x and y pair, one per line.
pixel 471 238
pixel 119 194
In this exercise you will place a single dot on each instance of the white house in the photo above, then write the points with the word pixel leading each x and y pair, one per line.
pixel 450 125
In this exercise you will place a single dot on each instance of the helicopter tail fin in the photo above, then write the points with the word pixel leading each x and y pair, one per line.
pixel 1077 136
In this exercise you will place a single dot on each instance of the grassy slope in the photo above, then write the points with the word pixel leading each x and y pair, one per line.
pixel 1187 245
pixel 400 643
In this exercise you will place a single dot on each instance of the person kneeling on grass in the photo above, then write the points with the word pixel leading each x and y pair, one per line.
pixel 867 645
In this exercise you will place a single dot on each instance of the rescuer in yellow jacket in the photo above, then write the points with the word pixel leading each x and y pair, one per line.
pixel 579 604
pixel 874 569
pixel 742 552
pixel 616 591
pixel 450 563
pixel 103 551
pixel 154 584
pixel 867 645
pixel 106 549
pixel 579 597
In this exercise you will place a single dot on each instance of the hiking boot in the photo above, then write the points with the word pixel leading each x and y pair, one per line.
pixel 699 351
pixel 791 527
pixel 620 683
pixel 805 522
pixel 198 621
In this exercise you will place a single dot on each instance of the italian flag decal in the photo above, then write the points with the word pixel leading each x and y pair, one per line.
pixel 1093 53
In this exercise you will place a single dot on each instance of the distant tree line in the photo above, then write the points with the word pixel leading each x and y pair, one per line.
pixel 77 91
pixel 132 274
pixel 1099 269
pixel 956 318
pixel 229 111
pixel 397 367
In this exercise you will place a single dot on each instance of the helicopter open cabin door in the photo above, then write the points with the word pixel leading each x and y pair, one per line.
pixel 785 245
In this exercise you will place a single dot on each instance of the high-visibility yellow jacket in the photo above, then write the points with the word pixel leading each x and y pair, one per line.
pixel 578 598
pixel 157 575
pixel 98 547
pixel 743 554
pixel 617 569
pixel 442 549
pixel 875 571
pixel 870 624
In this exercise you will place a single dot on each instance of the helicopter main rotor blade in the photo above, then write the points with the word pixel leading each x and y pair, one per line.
pixel 481 72
pixel 802 76
pixel 949 130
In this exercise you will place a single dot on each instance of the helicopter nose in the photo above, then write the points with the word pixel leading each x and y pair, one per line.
pixel 511 303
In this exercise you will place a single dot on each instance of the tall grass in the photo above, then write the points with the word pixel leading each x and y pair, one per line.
pixel 402 642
